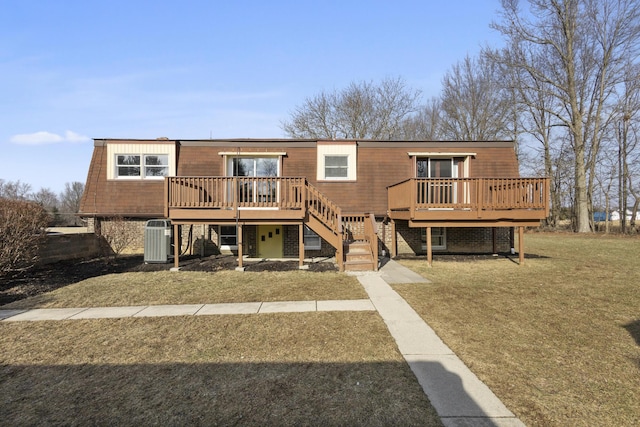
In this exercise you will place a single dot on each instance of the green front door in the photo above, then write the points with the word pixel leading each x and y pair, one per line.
pixel 270 241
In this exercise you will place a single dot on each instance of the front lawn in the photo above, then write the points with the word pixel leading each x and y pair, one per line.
pixel 254 370
pixel 191 287
pixel 557 339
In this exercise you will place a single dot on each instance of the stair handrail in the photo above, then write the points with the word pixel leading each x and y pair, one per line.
pixel 371 234
pixel 323 209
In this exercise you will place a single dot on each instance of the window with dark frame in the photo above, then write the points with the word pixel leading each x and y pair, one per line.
pixel 228 235
pixel 311 240
pixel 438 238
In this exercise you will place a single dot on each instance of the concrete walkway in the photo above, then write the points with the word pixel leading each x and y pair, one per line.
pixel 458 396
pixel 184 310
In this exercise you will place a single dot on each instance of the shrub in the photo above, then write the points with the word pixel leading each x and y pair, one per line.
pixel 118 233
pixel 22 229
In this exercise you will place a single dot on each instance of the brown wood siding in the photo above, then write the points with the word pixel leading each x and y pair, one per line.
pixel 494 163
pixel 200 161
pixel 376 169
pixel 104 197
pixel 378 166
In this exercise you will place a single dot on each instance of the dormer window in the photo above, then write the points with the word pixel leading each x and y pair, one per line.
pixel 337 161
pixel 152 161
pixel 336 167
pixel 129 166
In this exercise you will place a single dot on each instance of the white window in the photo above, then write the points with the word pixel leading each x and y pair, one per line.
pixel 336 161
pixel 153 161
pixel 129 166
pixel 311 240
pixel 156 165
pixel 438 238
pixel 228 237
pixel 336 167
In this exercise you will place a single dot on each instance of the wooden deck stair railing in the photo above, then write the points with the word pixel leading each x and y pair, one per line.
pixel 325 218
pixel 321 214
pixel 360 242
pixel 353 236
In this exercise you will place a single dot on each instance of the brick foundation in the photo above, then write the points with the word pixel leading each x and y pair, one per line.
pixel 204 239
pixel 470 239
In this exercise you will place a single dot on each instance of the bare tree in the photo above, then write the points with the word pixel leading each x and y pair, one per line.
pixel 70 201
pixel 626 123
pixel 360 111
pixel 633 180
pixel 535 105
pixel 22 229
pixel 606 182
pixel 14 190
pixel 46 198
pixel 425 124
pixel 476 102
pixel 579 47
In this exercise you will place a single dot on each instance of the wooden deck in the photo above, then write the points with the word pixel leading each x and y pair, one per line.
pixel 267 200
pixel 230 198
pixel 439 202
pixel 468 202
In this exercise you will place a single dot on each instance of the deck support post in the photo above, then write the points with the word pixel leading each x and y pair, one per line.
pixel 340 253
pixel 240 246
pixel 394 242
pixel 429 248
pixel 512 240
pixel 176 246
pixel 521 245
pixel 301 245
pixel 493 238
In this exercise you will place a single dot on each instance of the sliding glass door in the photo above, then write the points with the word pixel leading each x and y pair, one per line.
pixel 440 191
pixel 251 189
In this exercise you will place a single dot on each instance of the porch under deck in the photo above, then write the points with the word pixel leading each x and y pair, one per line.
pixel 248 201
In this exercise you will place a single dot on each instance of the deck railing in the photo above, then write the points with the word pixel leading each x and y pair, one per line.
pixel 474 194
pixel 235 192
pixel 284 193
pixel 323 208
pixel 362 227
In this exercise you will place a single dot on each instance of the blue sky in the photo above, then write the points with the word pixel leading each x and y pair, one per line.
pixel 75 70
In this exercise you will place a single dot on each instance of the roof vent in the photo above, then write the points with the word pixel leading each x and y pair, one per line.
pixel 162 138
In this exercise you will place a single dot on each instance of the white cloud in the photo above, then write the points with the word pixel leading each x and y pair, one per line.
pixel 43 137
pixel 70 136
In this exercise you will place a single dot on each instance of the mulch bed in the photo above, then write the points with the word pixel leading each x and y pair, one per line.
pixel 23 284
pixel 18 285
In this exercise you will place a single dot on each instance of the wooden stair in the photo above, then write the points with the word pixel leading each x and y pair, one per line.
pixel 358 256
pixel 354 236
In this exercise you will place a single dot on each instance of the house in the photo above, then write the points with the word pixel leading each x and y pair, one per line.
pixel 615 216
pixel 272 198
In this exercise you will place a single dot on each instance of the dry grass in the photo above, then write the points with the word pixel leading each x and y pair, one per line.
pixel 558 338
pixel 186 287
pixel 280 369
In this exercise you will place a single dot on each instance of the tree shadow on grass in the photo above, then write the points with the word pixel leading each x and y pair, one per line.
pixel 634 330
pixel 252 394
pixel 18 285
pixel 45 278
